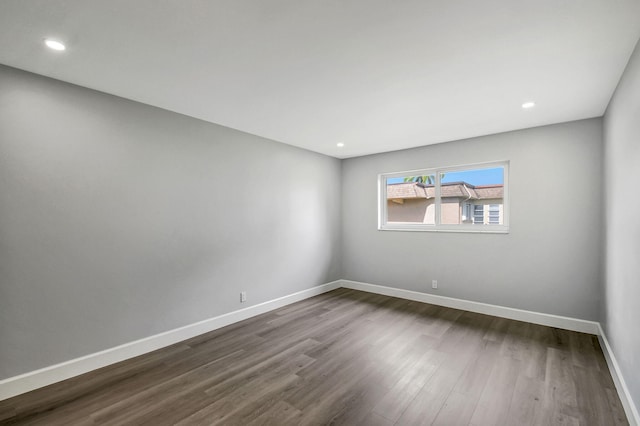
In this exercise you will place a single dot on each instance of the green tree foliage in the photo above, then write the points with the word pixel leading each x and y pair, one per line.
pixel 427 180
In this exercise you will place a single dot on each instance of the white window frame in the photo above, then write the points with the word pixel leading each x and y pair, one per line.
pixel 439 227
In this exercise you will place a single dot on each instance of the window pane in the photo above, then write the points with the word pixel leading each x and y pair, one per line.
pixel 448 199
pixel 494 214
pixel 411 199
pixel 478 215
pixel 484 188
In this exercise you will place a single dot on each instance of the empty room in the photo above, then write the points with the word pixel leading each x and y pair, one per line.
pixel 312 212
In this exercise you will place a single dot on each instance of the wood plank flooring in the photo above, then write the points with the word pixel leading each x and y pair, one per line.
pixel 346 357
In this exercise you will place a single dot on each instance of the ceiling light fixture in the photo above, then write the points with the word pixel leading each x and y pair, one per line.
pixel 55 45
pixel 528 105
pixel 339 144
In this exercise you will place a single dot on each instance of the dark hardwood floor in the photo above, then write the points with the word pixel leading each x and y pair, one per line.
pixel 346 357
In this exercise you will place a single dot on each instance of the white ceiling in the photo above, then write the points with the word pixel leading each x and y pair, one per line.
pixel 378 75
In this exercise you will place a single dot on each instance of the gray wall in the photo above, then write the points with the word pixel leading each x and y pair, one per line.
pixel 550 260
pixel 120 220
pixel 622 163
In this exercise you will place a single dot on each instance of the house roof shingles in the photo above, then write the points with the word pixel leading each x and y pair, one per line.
pixel 409 190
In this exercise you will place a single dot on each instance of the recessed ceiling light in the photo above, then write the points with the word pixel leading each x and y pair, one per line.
pixel 339 144
pixel 53 44
pixel 528 105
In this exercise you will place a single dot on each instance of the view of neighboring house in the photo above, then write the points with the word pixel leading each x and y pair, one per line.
pixel 461 203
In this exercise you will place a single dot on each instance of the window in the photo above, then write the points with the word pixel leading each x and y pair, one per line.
pixel 471 198
pixel 478 215
pixel 494 214
pixel 466 215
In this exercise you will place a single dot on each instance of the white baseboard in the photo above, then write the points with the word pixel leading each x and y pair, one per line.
pixel 618 379
pixel 36 379
pixel 557 321
pixel 39 378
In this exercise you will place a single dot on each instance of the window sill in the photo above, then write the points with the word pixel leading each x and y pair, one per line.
pixel 467 230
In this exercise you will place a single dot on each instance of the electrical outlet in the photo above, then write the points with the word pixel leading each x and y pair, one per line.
pixel 243 296
pixel 434 283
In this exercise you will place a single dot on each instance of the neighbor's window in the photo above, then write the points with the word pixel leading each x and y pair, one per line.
pixel 478 214
pixel 471 198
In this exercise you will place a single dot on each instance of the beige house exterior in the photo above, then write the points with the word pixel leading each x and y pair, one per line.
pixel 414 202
